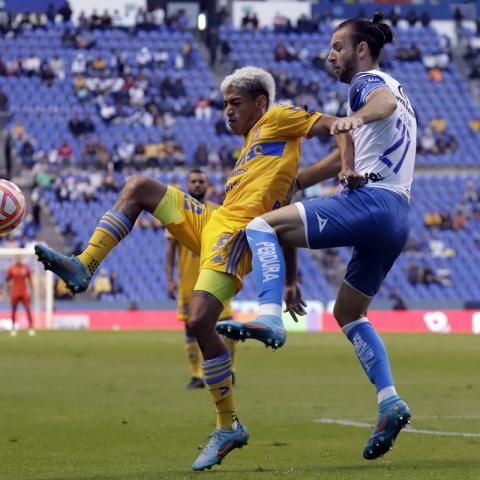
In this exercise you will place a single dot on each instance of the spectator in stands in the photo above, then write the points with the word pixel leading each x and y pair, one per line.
pixel 284 51
pixel 408 54
pixel 84 40
pixel 225 157
pixel 281 23
pixel 250 21
pixel 425 19
pixel 411 17
pixel 428 276
pixel 332 105
pixel 397 300
pixel 438 249
pixel 46 74
pixel 221 127
pixel 152 153
pixel 414 274
pixel 102 155
pixel 66 12
pixel 79 64
pixel 443 276
pixel 139 157
pixel 427 143
pixel 203 110
pixel 432 220
pixel 65 153
pixel 27 151
pixel 31 65
pixel 459 220
pixel 116 286
pixel 200 157
pixel 394 16
pixel 144 57
pixel 178 155
pixel 102 285
pixel 470 195
pixel 446 143
pixel 3 101
pixel 99 63
pixel 57 67
pixel 445 221
pixel 178 88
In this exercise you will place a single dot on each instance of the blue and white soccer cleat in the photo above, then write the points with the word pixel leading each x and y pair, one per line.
pixel 220 444
pixel 394 414
pixel 267 329
pixel 69 269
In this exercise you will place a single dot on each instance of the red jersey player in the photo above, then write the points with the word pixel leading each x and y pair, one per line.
pixel 19 281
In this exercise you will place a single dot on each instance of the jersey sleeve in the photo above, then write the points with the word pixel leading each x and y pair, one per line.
pixel 361 86
pixel 293 121
pixel 8 276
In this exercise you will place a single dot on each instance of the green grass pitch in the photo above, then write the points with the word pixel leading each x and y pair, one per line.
pixel 113 405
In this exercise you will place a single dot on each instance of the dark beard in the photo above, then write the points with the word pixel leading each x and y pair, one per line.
pixel 348 71
pixel 200 198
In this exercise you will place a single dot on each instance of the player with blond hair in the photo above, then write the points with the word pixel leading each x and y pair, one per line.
pixel 262 180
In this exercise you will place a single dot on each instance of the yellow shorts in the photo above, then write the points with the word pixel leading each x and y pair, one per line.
pixel 220 242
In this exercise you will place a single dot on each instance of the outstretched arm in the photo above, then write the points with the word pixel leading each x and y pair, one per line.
pixel 341 163
pixel 379 104
pixel 327 167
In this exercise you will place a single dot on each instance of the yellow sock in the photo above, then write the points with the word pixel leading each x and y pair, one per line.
pixel 232 350
pixel 112 228
pixel 194 357
pixel 218 377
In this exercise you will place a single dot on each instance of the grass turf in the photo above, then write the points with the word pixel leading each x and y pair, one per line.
pixel 113 405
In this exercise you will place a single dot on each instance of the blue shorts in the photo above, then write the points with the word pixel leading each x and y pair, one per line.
pixel 374 221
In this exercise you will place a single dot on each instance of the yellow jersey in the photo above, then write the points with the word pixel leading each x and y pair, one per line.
pixel 262 180
pixel 267 166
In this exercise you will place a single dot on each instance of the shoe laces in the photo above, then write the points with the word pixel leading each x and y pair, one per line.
pixel 213 441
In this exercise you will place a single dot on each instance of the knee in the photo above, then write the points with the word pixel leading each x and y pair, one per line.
pixel 135 185
pixel 259 224
pixel 196 325
pixel 345 315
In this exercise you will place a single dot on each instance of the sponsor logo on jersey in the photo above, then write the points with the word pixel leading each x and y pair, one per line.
pixel 373 177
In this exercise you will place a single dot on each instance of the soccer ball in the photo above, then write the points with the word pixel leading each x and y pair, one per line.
pixel 12 206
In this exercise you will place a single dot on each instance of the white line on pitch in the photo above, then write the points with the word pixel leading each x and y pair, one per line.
pixel 352 423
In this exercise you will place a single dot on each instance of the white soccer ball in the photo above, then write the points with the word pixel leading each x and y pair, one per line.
pixel 12 206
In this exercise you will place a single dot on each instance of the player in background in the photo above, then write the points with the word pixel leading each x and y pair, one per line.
pixel 263 179
pixel 19 281
pixel 373 219
pixel 188 270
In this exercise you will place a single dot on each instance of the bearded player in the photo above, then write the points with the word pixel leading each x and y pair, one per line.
pixel 263 179
pixel 375 219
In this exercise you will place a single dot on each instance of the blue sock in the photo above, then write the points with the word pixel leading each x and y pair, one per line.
pixel 371 353
pixel 268 266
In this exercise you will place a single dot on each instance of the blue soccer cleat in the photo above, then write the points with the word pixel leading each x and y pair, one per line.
pixel 394 414
pixel 69 269
pixel 220 444
pixel 267 329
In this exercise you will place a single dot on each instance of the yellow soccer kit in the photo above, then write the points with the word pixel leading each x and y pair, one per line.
pixel 188 269
pixel 262 180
